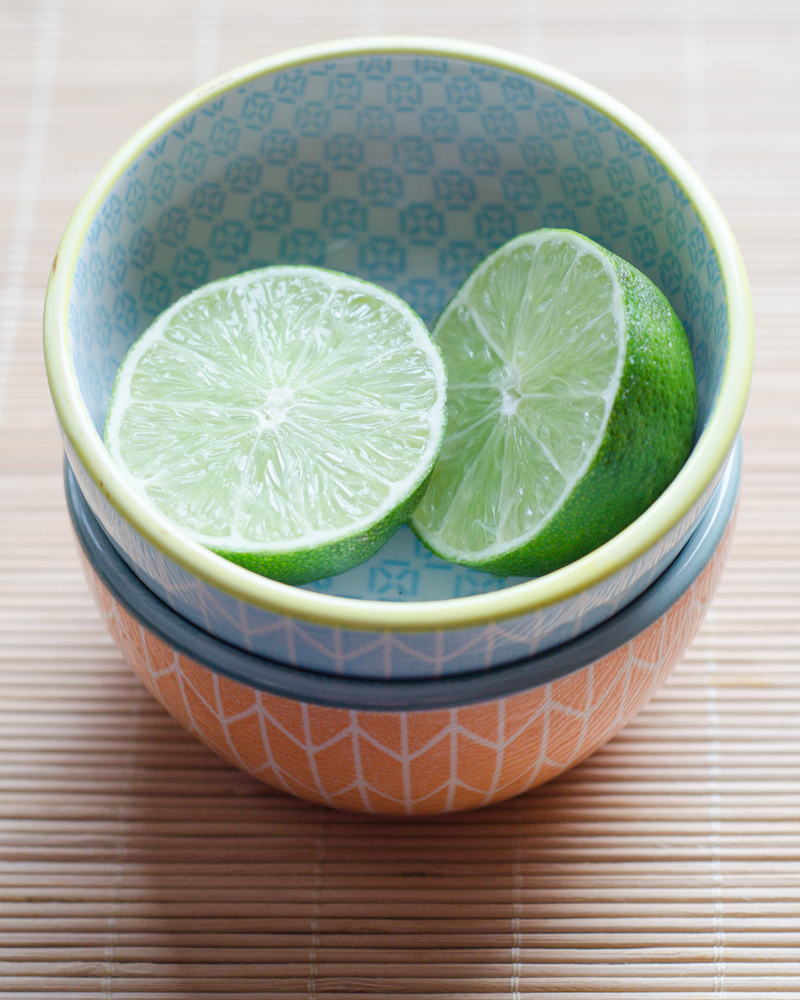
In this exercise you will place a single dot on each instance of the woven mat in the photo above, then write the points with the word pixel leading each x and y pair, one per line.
pixel 134 863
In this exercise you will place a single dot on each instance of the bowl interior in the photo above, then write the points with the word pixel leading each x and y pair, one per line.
pixel 403 167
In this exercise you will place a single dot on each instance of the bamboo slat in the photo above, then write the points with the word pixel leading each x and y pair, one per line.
pixel 134 863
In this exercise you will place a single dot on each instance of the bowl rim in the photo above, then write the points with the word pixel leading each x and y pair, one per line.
pixel 411 694
pixel 707 457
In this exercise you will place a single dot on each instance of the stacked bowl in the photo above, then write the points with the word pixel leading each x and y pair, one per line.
pixel 407 684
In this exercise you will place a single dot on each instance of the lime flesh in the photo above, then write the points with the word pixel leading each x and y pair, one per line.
pixel 286 418
pixel 572 404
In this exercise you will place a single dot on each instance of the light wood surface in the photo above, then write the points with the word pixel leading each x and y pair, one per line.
pixel 133 863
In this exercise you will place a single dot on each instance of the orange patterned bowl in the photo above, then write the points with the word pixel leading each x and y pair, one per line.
pixel 415 746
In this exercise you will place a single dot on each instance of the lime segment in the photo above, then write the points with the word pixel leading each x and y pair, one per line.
pixel 572 404
pixel 287 418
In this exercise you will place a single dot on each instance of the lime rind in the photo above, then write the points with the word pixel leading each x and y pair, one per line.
pixel 287 418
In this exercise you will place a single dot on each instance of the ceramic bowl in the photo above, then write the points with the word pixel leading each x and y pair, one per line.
pixel 415 746
pixel 404 161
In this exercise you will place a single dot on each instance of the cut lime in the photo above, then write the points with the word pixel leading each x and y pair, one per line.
pixel 287 418
pixel 571 400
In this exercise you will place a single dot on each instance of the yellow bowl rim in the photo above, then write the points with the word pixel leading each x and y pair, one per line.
pixel 702 465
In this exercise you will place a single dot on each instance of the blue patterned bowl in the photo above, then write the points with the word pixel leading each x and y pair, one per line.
pixel 404 161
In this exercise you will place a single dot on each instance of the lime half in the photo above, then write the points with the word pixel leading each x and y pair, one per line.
pixel 287 418
pixel 571 400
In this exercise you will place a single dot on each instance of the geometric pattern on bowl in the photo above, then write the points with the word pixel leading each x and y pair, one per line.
pixel 405 169
pixel 417 762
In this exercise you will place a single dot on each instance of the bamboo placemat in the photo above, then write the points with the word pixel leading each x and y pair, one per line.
pixel 134 863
